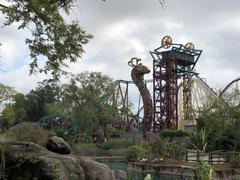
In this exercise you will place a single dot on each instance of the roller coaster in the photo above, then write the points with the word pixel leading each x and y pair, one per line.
pixel 202 96
pixel 178 92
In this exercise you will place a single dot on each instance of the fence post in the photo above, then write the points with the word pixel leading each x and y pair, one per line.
pixel 186 155
pixel 210 158
pixel 197 156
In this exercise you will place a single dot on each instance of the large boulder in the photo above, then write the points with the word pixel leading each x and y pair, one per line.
pixel 58 145
pixel 26 160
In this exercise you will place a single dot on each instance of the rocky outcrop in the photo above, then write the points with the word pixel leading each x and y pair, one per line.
pixel 58 145
pixel 26 160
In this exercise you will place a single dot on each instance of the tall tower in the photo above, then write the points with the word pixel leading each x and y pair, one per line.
pixel 170 63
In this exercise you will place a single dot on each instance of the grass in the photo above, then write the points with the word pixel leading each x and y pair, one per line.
pixel 116 143
pixel 90 149
pixel 27 132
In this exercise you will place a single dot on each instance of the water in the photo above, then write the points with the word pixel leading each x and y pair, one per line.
pixel 138 176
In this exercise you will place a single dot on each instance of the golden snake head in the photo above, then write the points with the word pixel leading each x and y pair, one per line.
pixel 138 67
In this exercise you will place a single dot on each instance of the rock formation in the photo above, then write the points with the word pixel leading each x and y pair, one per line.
pixel 58 145
pixel 28 161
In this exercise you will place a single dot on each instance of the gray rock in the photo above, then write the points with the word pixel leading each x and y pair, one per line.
pixel 58 145
pixel 120 175
pixel 26 160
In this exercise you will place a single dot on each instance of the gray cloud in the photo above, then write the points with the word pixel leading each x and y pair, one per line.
pixel 123 29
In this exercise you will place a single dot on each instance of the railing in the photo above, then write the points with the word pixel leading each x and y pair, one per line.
pixel 221 157
pixel 215 157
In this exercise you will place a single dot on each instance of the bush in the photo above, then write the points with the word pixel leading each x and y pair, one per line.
pixel 28 132
pixel 118 143
pixel 163 149
pixel 158 149
pixel 234 160
pixel 86 149
pixel 113 132
pixel 90 149
pixel 203 170
pixel 174 150
pixel 134 153
pixel 174 133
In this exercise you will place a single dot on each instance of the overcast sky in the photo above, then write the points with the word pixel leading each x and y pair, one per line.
pixel 123 29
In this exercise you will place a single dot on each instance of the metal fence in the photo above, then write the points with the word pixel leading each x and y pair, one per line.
pixel 215 157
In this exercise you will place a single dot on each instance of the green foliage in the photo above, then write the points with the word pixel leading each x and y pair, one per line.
pixel 52 36
pixel 234 160
pixel 157 149
pixel 221 123
pixel 203 171
pixel 8 116
pixel 47 92
pixel 116 144
pixel 174 150
pixel 28 132
pixel 164 149
pixel 113 132
pixel 53 108
pixel 134 153
pixel 199 139
pixel 89 98
pixel 14 112
pixel 174 133
pixel 20 106
pixel 60 133
pixel 6 92
pixel 89 149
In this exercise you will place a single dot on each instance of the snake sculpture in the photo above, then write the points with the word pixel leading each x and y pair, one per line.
pixel 137 73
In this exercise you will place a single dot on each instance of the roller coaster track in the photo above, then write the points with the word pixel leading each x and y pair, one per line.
pixel 231 93
pixel 202 95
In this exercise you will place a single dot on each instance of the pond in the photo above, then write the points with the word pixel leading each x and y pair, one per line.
pixel 138 176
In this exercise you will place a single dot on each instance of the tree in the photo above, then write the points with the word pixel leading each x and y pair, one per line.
pixel 47 92
pixel 8 116
pixel 89 98
pixel 6 92
pixel 19 107
pixel 51 37
pixel 221 123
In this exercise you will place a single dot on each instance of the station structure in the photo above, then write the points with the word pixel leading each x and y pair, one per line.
pixel 172 62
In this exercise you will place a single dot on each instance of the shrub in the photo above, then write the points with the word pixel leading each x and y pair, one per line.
pixel 113 132
pixel 174 133
pixel 234 160
pixel 60 133
pixel 174 150
pixel 203 170
pixel 28 132
pixel 118 143
pixel 163 149
pixel 158 149
pixel 134 152
pixel 86 149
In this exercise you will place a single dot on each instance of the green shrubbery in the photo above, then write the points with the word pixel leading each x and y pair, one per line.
pixel 113 132
pixel 165 149
pixel 234 160
pixel 28 132
pixel 174 133
pixel 134 153
pixel 118 143
pixel 86 149
pixel 203 170
pixel 155 150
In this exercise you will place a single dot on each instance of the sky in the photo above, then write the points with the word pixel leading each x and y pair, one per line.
pixel 123 29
